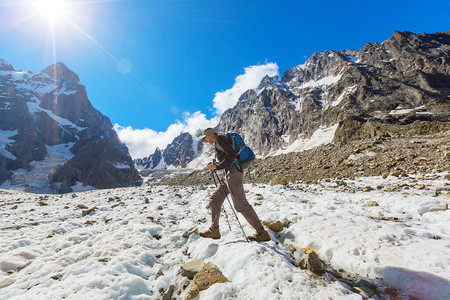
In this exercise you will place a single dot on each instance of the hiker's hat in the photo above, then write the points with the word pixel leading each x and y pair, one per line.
pixel 208 132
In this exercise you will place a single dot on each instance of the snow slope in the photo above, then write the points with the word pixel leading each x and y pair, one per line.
pixel 321 136
pixel 131 246
pixel 5 139
pixel 39 177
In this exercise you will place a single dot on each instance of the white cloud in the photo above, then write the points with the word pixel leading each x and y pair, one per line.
pixel 143 142
pixel 249 80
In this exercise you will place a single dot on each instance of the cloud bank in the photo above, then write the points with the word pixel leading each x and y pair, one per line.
pixel 143 142
pixel 249 80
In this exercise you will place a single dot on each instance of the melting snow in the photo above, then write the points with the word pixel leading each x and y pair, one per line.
pixel 320 137
pixel 79 187
pixel 33 108
pixel 349 90
pixel 401 111
pixel 352 58
pixel 39 176
pixel 122 166
pixel 329 80
pixel 5 136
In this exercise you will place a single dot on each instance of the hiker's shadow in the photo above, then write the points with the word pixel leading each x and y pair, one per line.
pixel 235 242
pixel 272 247
pixel 421 285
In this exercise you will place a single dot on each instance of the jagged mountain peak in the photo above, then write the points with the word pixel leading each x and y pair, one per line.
pixel 182 150
pixel 5 66
pixel 268 81
pixel 54 130
pixel 316 101
pixel 61 72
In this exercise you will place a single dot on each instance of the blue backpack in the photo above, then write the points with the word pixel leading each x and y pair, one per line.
pixel 244 155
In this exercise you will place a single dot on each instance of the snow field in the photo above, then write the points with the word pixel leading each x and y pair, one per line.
pixel 131 246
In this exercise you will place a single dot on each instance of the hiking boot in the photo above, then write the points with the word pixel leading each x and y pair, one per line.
pixel 262 236
pixel 211 234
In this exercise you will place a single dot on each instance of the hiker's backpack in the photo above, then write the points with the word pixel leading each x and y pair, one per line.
pixel 244 155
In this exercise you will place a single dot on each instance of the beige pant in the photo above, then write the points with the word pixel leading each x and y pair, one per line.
pixel 240 202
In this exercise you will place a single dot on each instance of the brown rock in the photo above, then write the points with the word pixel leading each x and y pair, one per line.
pixel 208 276
pixel 312 262
pixel 276 226
pixel 82 206
pixel 169 293
pixel 191 268
pixel 88 211
pixel 286 222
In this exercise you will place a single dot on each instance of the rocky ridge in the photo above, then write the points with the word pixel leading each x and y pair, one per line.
pixel 407 74
pixel 351 95
pixel 401 155
pixel 183 149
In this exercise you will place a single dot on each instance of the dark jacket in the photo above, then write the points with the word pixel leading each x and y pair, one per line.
pixel 225 152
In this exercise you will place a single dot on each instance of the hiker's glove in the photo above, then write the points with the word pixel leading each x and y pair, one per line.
pixel 212 166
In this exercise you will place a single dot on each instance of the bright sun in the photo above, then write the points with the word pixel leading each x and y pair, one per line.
pixel 52 9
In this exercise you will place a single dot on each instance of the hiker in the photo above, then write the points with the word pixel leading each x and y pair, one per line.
pixel 226 155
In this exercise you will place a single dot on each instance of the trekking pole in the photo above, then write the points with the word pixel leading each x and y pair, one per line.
pixel 223 208
pixel 232 208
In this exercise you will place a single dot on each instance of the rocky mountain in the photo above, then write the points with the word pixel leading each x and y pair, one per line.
pixel 347 95
pixel 183 149
pixel 339 96
pixel 51 137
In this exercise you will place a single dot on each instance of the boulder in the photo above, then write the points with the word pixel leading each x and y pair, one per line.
pixel 276 226
pixel 208 276
pixel 312 262
pixel 372 203
pixel 191 268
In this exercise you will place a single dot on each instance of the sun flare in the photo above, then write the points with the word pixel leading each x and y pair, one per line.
pixel 52 9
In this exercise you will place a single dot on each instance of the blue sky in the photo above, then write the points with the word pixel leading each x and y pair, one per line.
pixel 147 64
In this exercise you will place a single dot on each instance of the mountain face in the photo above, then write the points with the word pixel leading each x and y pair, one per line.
pixel 183 149
pixel 349 93
pixel 338 96
pixel 52 138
